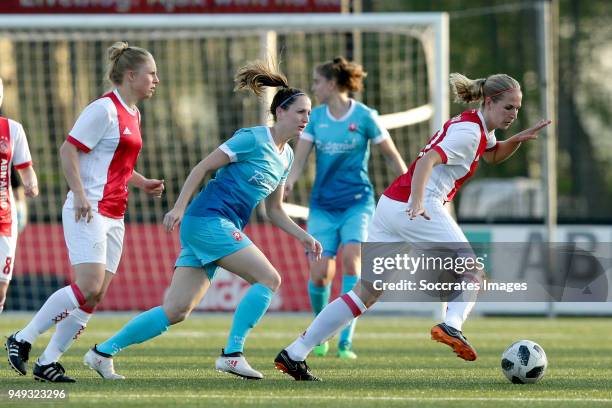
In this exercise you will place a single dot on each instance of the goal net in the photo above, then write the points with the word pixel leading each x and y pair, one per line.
pixel 53 66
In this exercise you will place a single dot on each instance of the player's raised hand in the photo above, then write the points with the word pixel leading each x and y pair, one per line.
pixel 173 218
pixel 532 132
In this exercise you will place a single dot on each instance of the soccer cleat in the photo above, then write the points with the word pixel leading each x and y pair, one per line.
pixel 18 353
pixel 235 363
pixel 53 372
pixel 297 369
pixel 345 351
pixel 443 333
pixel 101 364
pixel 321 350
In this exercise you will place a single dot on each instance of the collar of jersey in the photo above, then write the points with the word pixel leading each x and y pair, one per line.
pixel 345 116
pixel 127 108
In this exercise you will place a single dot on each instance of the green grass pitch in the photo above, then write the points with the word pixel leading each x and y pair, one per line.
pixel 397 366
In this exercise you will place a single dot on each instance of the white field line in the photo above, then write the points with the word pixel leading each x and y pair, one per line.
pixel 311 397
pixel 369 336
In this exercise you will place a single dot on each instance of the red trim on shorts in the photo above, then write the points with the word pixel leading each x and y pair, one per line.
pixel 78 294
pixel 351 304
pixel 78 144
pixel 23 165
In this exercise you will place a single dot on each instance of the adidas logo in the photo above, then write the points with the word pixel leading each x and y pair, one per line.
pixel 232 363
pixel 127 131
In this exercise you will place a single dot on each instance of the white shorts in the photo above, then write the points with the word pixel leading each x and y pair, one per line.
pixel 7 254
pixel 99 241
pixel 391 223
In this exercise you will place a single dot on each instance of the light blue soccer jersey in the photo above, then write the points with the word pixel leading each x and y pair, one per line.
pixel 342 152
pixel 256 170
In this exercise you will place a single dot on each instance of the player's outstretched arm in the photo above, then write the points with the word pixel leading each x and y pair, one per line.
pixel 212 162
pixel 152 187
pixel 504 150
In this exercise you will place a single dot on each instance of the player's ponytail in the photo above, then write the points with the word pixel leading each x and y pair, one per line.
pixel 121 58
pixel 258 74
pixel 476 90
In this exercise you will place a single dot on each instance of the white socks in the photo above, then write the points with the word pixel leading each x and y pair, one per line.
pixel 66 332
pixel 332 318
pixel 457 312
pixel 56 308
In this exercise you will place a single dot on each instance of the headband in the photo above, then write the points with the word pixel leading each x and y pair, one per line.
pixel 289 98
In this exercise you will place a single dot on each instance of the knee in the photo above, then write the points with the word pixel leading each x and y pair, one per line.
pixel 176 313
pixel 351 263
pixel 272 281
pixel 321 281
pixel 92 295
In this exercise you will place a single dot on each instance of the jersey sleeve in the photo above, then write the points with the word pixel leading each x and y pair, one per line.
pixel 460 143
pixel 290 156
pixel 240 146
pixel 92 124
pixel 376 132
pixel 491 142
pixel 21 150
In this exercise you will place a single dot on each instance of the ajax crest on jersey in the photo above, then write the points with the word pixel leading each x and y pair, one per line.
pixel 4 147
pixel 524 362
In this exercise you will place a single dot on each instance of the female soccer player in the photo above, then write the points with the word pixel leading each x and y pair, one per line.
pixel 252 165
pixel 342 198
pixel 14 153
pixel 412 208
pixel 98 159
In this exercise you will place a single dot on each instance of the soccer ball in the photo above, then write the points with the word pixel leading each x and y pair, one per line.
pixel 524 362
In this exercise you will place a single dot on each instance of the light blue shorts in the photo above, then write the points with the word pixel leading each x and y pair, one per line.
pixel 205 240
pixel 332 228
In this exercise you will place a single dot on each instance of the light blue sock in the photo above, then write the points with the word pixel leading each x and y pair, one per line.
pixel 346 335
pixel 319 296
pixel 143 327
pixel 250 309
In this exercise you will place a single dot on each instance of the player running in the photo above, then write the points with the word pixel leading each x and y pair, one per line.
pixel 252 165
pixel 412 208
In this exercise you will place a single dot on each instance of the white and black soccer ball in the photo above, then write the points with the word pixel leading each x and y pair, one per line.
pixel 524 362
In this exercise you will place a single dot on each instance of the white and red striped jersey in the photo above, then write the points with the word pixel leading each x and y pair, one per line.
pixel 107 134
pixel 460 143
pixel 13 150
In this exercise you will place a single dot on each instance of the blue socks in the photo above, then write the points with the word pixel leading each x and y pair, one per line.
pixel 319 296
pixel 346 335
pixel 141 328
pixel 250 309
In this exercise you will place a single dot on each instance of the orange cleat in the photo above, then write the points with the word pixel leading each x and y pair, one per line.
pixel 443 333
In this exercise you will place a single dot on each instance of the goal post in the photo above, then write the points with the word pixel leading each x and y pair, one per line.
pixel 53 66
